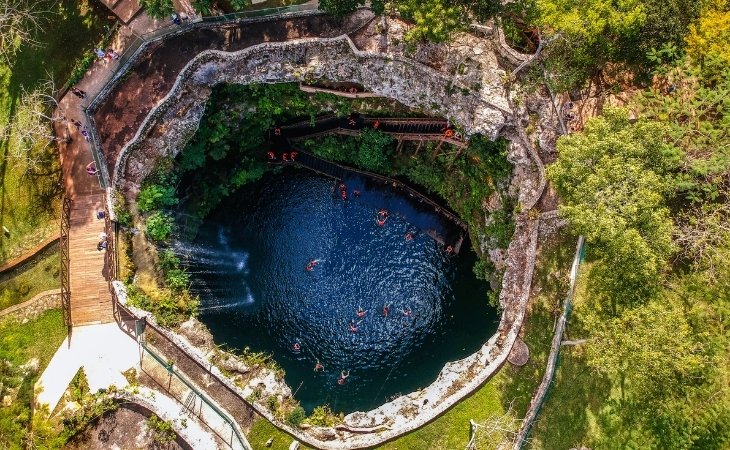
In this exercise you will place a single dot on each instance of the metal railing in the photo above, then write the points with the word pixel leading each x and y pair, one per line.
pixel 553 358
pixel 189 373
pixel 198 403
pixel 65 260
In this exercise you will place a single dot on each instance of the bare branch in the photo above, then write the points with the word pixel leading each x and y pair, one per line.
pixel 19 21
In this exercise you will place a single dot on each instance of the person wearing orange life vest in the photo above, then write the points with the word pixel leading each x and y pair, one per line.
pixel 343 377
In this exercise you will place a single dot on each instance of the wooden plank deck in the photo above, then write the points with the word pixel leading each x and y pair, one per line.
pixel 91 301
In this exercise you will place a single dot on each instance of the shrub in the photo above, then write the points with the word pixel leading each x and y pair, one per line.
pixel 162 430
pixel 156 196
pixel 79 387
pixel 296 416
pixel 159 226
pixel 158 9
pixel 170 309
pixel 375 150
pixel 177 279
pixel 272 404
pixel 323 416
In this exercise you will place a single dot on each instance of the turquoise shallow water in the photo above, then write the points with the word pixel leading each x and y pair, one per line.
pixel 248 266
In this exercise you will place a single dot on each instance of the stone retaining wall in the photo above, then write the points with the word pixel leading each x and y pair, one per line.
pixel 31 309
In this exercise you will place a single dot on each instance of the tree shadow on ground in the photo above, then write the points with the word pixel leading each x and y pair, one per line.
pixel 69 28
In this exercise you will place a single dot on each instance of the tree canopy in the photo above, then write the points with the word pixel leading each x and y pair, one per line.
pixel 614 180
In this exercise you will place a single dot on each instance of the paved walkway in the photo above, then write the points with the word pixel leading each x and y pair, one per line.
pixel 104 351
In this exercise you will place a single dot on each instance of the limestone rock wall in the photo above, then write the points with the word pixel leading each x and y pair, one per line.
pixel 475 107
pixel 31 309
pixel 172 122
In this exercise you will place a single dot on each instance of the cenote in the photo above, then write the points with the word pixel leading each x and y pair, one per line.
pixel 248 266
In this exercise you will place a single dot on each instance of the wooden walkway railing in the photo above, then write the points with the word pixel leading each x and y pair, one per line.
pixel 65 257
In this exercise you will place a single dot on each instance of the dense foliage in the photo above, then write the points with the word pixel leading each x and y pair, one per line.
pixel 158 9
pixel 652 198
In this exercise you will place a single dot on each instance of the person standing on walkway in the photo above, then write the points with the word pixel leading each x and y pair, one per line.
pixel 78 93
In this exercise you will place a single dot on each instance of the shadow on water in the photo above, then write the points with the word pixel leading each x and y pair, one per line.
pixel 248 266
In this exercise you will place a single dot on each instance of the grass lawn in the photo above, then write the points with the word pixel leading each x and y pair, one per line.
pixel 18 344
pixel 29 199
pixel 577 412
pixel 41 276
pixel 262 430
pixel 512 387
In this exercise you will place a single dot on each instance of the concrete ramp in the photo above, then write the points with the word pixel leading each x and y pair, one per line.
pixel 104 351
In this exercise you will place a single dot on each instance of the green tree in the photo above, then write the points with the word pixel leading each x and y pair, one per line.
pixel 340 8
pixel 650 348
pixel 158 9
pixel 613 179
pixel 434 20
pixel 159 226
pixel 375 150
pixel 698 119
pixel 155 196
pixel 593 37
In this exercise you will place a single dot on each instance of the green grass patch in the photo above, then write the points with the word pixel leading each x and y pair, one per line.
pixel 574 409
pixel 29 199
pixel 41 276
pixel 451 431
pixel 262 430
pixel 20 342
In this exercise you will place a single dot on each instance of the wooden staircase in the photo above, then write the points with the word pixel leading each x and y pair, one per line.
pixel 91 301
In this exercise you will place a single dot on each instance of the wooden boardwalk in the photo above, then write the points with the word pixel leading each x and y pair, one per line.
pixel 91 301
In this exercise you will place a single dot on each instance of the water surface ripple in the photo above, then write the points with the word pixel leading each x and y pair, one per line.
pixel 248 266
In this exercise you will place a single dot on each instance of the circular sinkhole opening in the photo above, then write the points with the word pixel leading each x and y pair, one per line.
pixel 286 266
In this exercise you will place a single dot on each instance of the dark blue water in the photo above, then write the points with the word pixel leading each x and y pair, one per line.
pixel 248 266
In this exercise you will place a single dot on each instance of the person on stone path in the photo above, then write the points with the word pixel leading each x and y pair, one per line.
pixel 78 93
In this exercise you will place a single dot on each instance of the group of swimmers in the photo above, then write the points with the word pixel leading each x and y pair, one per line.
pixel 407 312
pixel 285 157
pixel 361 313
pixel 319 367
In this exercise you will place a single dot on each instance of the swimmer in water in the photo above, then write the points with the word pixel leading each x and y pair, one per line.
pixel 353 327
pixel 343 377
pixel 356 193
pixel 296 347
pixel 386 310
pixel 310 265
pixel 449 250
pixel 407 311
pixel 409 236
pixel 360 312
pixel 318 367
